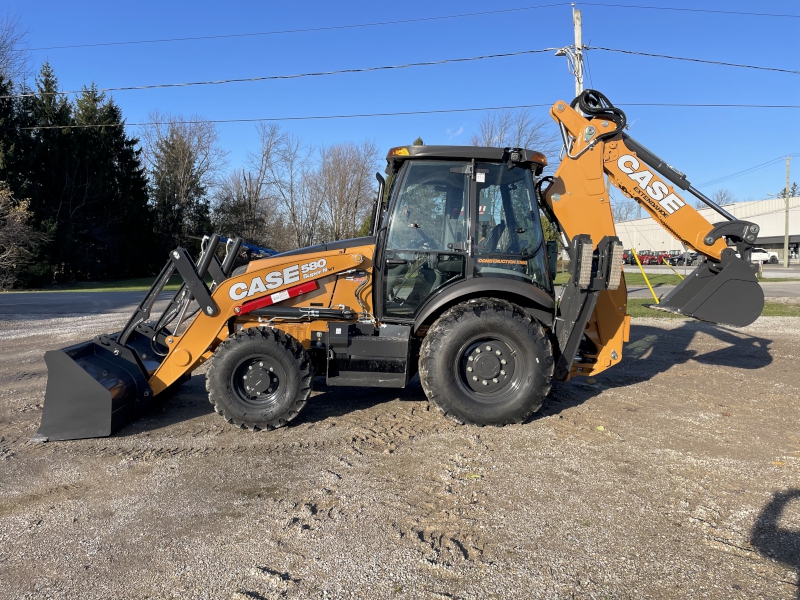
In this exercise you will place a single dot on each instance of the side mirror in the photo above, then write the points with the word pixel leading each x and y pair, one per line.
pixel 552 258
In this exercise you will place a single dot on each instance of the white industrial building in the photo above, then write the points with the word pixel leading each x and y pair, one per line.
pixel 770 215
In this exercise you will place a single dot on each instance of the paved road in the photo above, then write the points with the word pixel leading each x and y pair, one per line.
pixel 769 270
pixel 87 303
pixel 777 289
pixel 71 303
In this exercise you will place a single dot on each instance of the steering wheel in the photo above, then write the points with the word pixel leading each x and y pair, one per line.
pixel 426 239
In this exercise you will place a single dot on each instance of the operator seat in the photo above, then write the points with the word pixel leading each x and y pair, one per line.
pixel 494 237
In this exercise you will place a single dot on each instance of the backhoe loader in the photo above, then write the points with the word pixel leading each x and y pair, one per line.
pixel 454 282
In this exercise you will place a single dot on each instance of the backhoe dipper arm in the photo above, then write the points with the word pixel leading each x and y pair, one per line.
pixel 635 171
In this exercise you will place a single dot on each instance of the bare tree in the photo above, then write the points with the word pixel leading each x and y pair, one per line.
pixel 13 49
pixel 721 197
pixel 18 240
pixel 623 208
pixel 285 163
pixel 516 129
pixel 242 208
pixel 343 184
pixel 183 158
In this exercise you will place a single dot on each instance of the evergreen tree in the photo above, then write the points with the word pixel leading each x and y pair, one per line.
pixel 86 187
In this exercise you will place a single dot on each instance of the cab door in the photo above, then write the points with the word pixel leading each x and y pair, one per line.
pixel 507 230
pixel 427 238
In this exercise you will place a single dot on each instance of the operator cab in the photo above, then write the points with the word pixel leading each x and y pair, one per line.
pixel 454 213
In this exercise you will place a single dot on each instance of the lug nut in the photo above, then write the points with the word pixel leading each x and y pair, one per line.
pixel 488 348
pixel 470 359
pixel 495 379
pixel 477 350
pixel 498 352
pixel 270 369
pixel 474 378
pixel 502 361
pixel 484 382
pixel 502 372
pixel 261 364
pixel 469 369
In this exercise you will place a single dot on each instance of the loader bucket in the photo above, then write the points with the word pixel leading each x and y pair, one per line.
pixel 726 292
pixel 93 389
pixel 96 388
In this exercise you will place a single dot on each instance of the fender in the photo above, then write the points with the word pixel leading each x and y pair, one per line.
pixel 536 301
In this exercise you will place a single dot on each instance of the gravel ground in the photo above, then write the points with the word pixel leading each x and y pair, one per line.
pixel 674 475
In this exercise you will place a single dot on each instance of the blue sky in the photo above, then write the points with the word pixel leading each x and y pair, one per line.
pixel 706 143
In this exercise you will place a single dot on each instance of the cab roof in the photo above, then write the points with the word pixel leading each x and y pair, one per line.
pixel 484 153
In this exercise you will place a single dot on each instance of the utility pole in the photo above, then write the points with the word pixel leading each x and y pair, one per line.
pixel 574 53
pixel 786 233
pixel 578 49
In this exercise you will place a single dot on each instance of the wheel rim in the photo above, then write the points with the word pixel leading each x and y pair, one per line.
pixel 488 368
pixel 258 381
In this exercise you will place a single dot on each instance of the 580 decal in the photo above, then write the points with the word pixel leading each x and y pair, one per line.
pixel 275 279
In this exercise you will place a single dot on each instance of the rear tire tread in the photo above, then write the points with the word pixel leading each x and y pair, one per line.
pixel 436 340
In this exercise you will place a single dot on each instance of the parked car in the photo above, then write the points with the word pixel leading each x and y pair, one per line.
pixel 763 256
pixel 644 256
pixel 683 258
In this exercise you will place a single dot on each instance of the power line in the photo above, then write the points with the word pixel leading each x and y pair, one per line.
pixel 391 114
pixel 302 118
pixel 697 60
pixel 693 10
pixel 745 171
pixel 707 105
pixel 389 68
pixel 399 22
pixel 305 30
pixel 295 76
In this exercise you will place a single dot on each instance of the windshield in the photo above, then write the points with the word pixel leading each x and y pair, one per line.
pixel 430 208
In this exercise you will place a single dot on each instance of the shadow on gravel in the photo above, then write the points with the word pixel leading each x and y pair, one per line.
pixel 653 350
pixel 338 401
pixel 773 541
pixel 185 402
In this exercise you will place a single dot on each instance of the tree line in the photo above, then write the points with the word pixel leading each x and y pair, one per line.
pixel 81 198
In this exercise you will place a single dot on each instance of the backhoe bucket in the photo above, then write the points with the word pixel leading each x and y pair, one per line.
pixel 727 293
pixel 93 389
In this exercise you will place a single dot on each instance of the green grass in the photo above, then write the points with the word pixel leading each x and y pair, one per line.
pixel 657 279
pixel 634 279
pixel 638 307
pixel 779 279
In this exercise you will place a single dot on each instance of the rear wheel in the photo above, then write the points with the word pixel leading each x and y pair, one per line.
pixel 259 379
pixel 486 362
pixel 773 260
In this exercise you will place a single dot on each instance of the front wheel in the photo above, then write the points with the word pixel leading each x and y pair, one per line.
pixel 486 362
pixel 773 260
pixel 259 379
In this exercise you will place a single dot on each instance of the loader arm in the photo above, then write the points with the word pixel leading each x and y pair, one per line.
pixel 278 280
pixel 723 289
